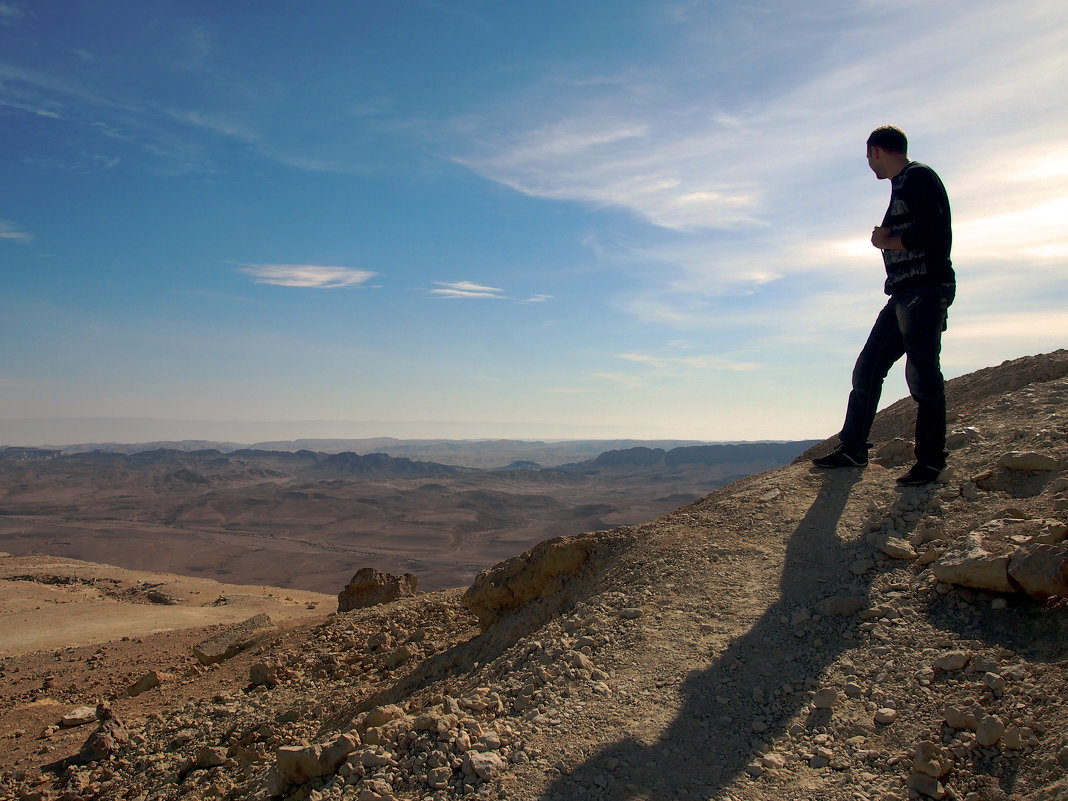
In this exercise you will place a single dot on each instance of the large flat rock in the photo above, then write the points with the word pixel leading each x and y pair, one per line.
pixel 233 640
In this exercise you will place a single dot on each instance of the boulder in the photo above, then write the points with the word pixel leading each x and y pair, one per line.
pixel 299 763
pixel 209 756
pixel 1041 570
pixel 439 778
pixel 484 764
pixel 884 716
pixel 926 785
pixel 969 564
pixel 263 674
pixel 989 730
pixel 963 718
pixel 1029 462
pixel 398 657
pixel 334 752
pixel 930 759
pixel 896 451
pixel 825 698
pixel 961 437
pixel 108 739
pixel 370 587
pixel 144 684
pixel 379 716
pixel 233 640
pixel 894 547
pixel 78 716
pixel 541 572
pixel 953 660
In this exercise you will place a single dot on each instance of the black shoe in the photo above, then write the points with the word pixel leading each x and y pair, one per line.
pixel 842 457
pixel 920 474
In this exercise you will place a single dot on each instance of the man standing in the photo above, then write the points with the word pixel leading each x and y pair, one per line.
pixel 915 238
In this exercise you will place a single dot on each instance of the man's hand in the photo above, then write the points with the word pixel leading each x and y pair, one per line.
pixel 881 237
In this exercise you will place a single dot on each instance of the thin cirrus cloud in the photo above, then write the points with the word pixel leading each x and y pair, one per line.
pixel 466 289
pixel 633 166
pixel 701 174
pixel 10 14
pixel 309 276
pixel 14 233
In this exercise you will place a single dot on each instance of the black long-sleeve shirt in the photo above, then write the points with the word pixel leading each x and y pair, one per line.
pixel 919 214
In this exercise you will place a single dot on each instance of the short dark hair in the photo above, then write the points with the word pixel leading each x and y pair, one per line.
pixel 890 138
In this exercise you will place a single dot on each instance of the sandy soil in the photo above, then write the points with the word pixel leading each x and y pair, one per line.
pixel 51 602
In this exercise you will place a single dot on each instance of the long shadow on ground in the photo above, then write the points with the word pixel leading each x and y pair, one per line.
pixel 753 689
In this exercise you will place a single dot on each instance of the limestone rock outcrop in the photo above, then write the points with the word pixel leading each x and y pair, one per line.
pixel 970 564
pixel 370 587
pixel 1041 570
pixel 1010 555
pixel 539 573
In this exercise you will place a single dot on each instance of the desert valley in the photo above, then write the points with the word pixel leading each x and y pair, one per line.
pixel 309 520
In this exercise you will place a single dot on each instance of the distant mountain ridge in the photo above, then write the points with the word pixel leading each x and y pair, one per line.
pixel 481 454
pixel 701 454
pixel 348 463
pixel 299 462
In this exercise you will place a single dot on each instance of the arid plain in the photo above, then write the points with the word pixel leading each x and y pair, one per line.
pixel 309 520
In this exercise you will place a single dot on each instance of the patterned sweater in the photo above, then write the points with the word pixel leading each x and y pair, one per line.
pixel 919 214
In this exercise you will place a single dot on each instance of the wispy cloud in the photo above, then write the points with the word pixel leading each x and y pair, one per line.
pixel 760 203
pixel 622 379
pixel 714 164
pixel 538 299
pixel 11 14
pixel 172 140
pixel 14 233
pixel 311 276
pixel 466 289
pixel 1033 233
pixel 78 102
pixel 636 165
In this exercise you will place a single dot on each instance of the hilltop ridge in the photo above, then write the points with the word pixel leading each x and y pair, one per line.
pixel 797 634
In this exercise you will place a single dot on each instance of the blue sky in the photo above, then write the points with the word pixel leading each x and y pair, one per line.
pixel 468 219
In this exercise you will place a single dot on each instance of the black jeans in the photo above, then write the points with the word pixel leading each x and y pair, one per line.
pixel 910 325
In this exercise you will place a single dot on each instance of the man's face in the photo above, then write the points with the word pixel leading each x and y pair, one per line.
pixel 875 155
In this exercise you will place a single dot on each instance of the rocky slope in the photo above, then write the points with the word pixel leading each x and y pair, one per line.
pixel 798 634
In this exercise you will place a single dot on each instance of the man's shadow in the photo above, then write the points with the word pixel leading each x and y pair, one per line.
pixel 754 688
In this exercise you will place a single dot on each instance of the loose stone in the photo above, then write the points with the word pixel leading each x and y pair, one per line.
pixel 885 716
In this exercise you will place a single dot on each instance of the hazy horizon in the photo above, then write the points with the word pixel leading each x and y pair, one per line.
pixel 45 432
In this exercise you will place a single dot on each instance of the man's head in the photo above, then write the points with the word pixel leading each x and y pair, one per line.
pixel 888 149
